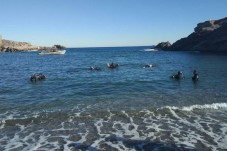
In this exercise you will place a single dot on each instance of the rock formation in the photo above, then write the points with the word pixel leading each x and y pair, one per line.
pixel 163 45
pixel 207 36
pixel 15 46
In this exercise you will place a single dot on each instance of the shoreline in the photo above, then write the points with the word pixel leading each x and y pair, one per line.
pixel 20 49
pixel 15 46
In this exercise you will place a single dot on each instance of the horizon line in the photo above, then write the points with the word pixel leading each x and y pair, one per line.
pixel 112 46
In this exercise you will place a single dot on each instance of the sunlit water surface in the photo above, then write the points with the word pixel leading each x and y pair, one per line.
pixel 128 108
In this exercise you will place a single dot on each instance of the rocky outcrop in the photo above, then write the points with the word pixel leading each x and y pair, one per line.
pixel 8 49
pixel 163 45
pixel 207 36
pixel 10 43
pixel 15 46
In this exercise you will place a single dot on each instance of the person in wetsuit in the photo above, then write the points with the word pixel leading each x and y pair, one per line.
pixel 178 76
pixel 195 76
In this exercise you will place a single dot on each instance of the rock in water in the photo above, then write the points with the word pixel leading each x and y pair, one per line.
pixel 163 45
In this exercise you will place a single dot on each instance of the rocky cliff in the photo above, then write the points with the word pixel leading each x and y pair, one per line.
pixel 207 36
pixel 15 46
pixel 163 45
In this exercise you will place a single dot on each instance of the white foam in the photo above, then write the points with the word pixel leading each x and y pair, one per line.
pixel 11 143
pixel 214 106
pixel 193 136
pixel 111 114
pixel 223 137
pixel 150 49
pixel 184 128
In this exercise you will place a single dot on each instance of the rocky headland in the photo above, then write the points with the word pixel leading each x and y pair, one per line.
pixel 163 45
pixel 15 46
pixel 209 36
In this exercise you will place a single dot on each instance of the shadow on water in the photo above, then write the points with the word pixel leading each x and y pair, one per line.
pixel 138 145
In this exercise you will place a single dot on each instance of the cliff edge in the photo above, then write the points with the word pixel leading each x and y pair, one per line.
pixel 207 36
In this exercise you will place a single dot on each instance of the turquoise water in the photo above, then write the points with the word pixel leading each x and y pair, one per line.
pixel 128 108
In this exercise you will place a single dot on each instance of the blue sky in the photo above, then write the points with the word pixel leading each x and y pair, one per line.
pixel 93 23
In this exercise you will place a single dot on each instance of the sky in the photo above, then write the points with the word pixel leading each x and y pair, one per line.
pixel 104 23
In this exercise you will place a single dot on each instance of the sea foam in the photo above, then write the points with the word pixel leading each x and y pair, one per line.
pixel 213 106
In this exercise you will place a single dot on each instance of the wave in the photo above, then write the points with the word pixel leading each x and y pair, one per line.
pixel 115 130
pixel 214 106
pixel 150 49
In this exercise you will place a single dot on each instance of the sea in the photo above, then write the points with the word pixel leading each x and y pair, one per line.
pixel 128 108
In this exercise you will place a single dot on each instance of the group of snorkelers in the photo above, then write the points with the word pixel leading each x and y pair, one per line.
pixel 180 75
pixel 177 76
pixel 115 65
pixel 109 65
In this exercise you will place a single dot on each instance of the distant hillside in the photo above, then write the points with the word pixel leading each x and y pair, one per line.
pixel 207 36
pixel 10 43
pixel 14 46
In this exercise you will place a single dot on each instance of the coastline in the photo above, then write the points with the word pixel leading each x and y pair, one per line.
pixel 27 48
pixel 208 36
pixel 15 46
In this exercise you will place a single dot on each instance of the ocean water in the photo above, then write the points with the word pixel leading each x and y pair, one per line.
pixel 128 108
